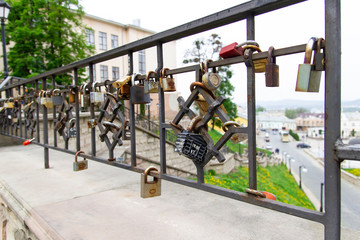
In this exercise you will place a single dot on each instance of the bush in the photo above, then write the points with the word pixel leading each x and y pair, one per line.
pixel 294 135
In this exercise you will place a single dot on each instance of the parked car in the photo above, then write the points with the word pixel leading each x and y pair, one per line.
pixel 268 147
pixel 303 145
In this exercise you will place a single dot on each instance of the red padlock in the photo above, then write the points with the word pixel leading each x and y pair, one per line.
pixel 232 50
pixel 28 141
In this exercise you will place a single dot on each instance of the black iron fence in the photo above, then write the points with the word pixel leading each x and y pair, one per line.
pixel 121 126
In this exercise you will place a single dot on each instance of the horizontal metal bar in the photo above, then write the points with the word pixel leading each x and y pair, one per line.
pixel 347 151
pixel 234 14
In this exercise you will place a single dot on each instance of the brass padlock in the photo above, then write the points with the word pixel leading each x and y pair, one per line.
pixel 48 100
pixel 10 103
pixel 272 70
pixel 57 99
pixel 259 64
pixel 167 83
pixel 237 137
pixel 308 80
pixel 72 93
pixel 137 94
pixel 150 189
pixel 123 86
pixel 85 96
pixel 211 80
pixel 150 84
pixel 80 165
pixel 92 123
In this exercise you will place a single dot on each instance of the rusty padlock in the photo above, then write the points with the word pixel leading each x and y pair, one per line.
pixel 137 94
pixel 73 91
pixel 80 165
pixel 92 123
pixel 319 56
pixel 259 64
pixel 150 83
pixel 211 80
pixel 308 80
pixel 271 70
pixel 150 189
pixel 167 82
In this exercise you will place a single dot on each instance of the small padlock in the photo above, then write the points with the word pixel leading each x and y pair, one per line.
pixel 319 56
pixel 150 189
pixel 259 64
pixel 150 84
pixel 57 99
pixel 271 70
pixel 48 100
pixel 126 133
pixel 92 123
pixel 85 96
pixel 308 80
pixel 123 86
pixel 96 97
pixel 80 165
pixel 137 94
pixel 42 97
pixel 237 137
pixel 235 49
pixel 211 80
pixel 72 130
pixel 72 93
pixel 167 83
pixel 191 145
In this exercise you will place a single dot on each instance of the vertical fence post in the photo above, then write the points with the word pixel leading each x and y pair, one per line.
pixel 250 23
pixel 25 132
pixel 45 129
pixel 37 113
pixel 132 116
pixel 332 119
pixel 77 109
pixel 19 113
pixel 54 112
pixel 92 111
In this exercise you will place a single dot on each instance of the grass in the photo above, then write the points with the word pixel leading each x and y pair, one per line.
pixel 275 179
pixel 353 171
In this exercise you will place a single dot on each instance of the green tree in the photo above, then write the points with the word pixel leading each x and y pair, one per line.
pixel 46 34
pixel 260 109
pixel 204 49
pixel 292 113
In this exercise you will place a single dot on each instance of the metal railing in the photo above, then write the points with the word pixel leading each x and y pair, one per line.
pixel 334 153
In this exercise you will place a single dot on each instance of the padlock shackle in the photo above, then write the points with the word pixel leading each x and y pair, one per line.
pixel 55 91
pixel 309 49
pixel 193 123
pixel 201 85
pixel 226 124
pixel 149 169
pixel 111 95
pixel 319 44
pixel 271 57
pixel 148 75
pixel 253 47
pixel 248 42
pixel 71 120
pixel 76 155
pixel 163 75
pixel 133 77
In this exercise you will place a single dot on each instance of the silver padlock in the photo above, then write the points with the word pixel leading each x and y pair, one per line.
pixel 80 165
pixel 150 84
pixel 150 189
pixel 56 97
pixel 85 96
pixel 72 130
pixel 96 97
pixel 167 83
pixel 308 80
pixel 211 80
pixel 137 94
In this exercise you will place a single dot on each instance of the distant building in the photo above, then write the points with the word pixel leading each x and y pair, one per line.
pixel 350 124
pixel 309 120
pixel 274 121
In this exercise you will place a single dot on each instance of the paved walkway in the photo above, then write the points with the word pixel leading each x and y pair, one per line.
pixel 104 202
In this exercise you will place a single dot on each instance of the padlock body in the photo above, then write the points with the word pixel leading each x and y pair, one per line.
pixel 260 65
pixel 96 97
pixel 57 100
pixel 72 133
pixel 48 103
pixel 272 75
pixel 85 100
pixel 211 80
pixel 138 95
pixel 168 84
pixel 230 51
pixel 150 189
pixel 126 133
pixel 308 80
pixel 319 58
pixel 80 165
pixel 9 105
pixel 150 87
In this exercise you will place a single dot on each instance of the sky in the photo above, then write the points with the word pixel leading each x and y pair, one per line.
pixel 286 27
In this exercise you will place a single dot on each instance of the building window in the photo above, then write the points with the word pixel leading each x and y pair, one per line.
pixel 115 73
pixel 102 41
pixel 142 66
pixel 103 73
pixel 90 37
pixel 114 41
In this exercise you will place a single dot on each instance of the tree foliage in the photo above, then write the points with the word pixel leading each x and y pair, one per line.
pixel 260 109
pixel 204 49
pixel 292 113
pixel 46 34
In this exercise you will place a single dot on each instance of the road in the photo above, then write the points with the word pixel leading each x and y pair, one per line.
pixel 312 179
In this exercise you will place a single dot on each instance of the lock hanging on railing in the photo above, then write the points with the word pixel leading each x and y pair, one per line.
pixel 150 188
pixel 167 82
pixel 235 49
pixel 72 129
pixel 308 79
pixel 96 97
pixel 9 103
pixel 85 95
pixel 92 123
pixel 137 93
pixel 237 137
pixel 126 133
pixel 80 165
pixel 211 80
pixel 319 56
pixel 191 145
pixel 259 64
pixel 150 83
pixel 271 70
pixel 123 86
pixel 57 99
pixel 72 93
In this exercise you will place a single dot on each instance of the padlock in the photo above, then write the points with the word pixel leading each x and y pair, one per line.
pixel 123 86
pixel 150 84
pixel 271 70
pixel 92 123
pixel 80 165
pixel 57 99
pixel 191 145
pixel 150 189
pixel 96 97
pixel 72 129
pixel 167 83
pixel 235 49
pixel 259 64
pixel 85 96
pixel 48 99
pixel 211 80
pixel 126 134
pixel 237 137
pixel 308 80
pixel 319 56
pixel 42 97
pixel 10 103
pixel 137 94
pixel 72 93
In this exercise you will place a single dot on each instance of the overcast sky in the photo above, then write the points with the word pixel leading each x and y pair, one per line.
pixel 282 28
